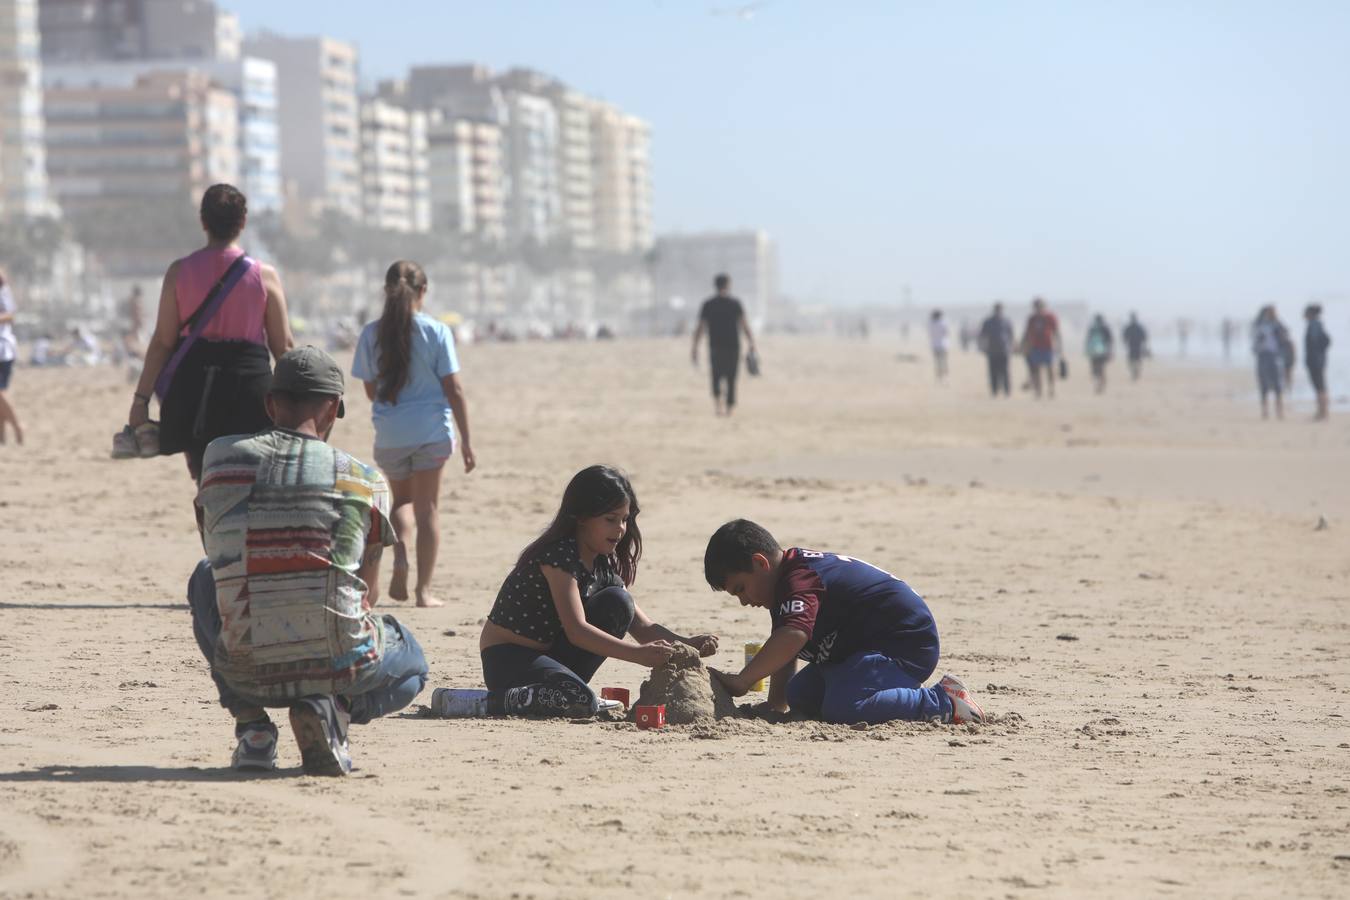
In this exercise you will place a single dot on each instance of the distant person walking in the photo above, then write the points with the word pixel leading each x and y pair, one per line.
pixel 408 363
pixel 219 385
pixel 723 317
pixel 9 352
pixel 938 337
pixel 134 310
pixel 1098 345
pixel 1041 344
pixel 1135 337
pixel 1315 344
pixel 1227 330
pixel 996 342
pixel 1268 338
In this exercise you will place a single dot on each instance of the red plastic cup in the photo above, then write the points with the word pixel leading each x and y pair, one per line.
pixel 620 694
pixel 651 716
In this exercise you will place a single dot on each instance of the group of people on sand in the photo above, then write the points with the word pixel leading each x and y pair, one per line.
pixel 1042 347
pixel 1276 357
pixel 284 602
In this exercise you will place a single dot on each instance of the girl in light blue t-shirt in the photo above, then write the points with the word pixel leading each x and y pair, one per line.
pixel 407 361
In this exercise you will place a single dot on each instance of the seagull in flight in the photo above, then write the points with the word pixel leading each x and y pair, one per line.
pixel 744 12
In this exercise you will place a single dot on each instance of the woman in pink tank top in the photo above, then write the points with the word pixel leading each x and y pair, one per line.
pixel 219 385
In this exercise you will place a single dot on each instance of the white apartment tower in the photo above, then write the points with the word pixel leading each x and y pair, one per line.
pixel 573 167
pixel 621 179
pixel 467 180
pixel 395 188
pixel 23 166
pixel 319 120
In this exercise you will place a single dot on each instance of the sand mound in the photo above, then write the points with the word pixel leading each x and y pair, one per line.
pixel 687 689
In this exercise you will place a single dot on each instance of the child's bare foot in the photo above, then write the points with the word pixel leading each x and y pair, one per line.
pixel 398 585
pixel 426 600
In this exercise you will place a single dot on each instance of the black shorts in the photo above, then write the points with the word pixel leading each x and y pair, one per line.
pixel 6 372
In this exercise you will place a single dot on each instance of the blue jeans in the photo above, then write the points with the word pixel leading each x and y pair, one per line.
pixel 396 681
pixel 866 687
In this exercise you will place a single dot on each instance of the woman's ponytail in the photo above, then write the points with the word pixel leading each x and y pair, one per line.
pixel 403 284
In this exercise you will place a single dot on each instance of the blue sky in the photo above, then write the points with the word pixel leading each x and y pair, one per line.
pixel 1183 155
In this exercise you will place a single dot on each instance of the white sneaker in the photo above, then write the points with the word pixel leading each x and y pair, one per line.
pixel 455 703
pixel 964 707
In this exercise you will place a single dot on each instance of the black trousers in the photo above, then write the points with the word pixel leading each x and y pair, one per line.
pixel 724 368
pixel 523 681
pixel 998 373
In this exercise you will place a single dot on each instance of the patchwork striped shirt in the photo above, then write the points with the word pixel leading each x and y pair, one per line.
pixel 288 522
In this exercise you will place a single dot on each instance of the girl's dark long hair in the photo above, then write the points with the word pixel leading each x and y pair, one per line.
pixel 403 284
pixel 593 492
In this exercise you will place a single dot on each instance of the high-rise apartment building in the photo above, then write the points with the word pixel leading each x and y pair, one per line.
pixel 167 135
pixel 466 177
pixel 253 81
pixel 573 167
pixel 320 120
pixel 395 187
pixel 621 178
pixel 687 263
pixel 92 30
pixel 23 167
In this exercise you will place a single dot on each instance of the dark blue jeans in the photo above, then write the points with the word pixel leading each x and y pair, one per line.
pixel 865 687
pixel 395 683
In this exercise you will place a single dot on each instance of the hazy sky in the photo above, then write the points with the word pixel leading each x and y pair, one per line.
pixel 1188 154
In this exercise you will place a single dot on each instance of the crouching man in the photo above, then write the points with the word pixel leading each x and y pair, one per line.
pixel 281 606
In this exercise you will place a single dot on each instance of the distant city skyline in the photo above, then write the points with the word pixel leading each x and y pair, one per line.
pixel 1145 155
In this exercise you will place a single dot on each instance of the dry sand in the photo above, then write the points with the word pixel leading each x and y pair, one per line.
pixel 1132 583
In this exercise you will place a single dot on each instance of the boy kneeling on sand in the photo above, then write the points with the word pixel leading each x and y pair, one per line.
pixel 869 640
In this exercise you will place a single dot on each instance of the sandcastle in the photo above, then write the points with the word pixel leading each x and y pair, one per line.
pixel 687 689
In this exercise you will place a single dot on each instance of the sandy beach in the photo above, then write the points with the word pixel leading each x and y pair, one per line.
pixel 1134 585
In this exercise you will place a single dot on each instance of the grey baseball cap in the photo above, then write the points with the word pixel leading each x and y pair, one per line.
pixel 308 370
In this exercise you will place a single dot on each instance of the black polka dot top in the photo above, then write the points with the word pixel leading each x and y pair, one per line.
pixel 525 605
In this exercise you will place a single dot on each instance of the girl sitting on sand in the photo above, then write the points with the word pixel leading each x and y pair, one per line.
pixel 565 608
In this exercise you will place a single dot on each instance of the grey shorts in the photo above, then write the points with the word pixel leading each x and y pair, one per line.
pixel 399 463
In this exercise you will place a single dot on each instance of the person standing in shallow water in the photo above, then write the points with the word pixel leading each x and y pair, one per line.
pixel 1269 338
pixel 408 364
pixel 723 316
pixel 1315 344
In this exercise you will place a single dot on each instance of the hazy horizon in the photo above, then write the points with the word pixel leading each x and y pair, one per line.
pixel 1148 156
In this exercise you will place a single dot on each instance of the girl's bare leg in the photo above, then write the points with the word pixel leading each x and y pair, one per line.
pixel 401 517
pixel 426 494
pixel 7 414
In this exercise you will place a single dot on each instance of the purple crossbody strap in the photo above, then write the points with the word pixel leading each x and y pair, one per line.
pixel 200 319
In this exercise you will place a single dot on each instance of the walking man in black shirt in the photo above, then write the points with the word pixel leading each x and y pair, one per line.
pixel 724 318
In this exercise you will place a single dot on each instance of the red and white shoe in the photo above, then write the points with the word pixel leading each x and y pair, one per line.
pixel 964 707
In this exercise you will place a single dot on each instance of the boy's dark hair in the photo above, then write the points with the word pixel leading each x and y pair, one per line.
pixel 730 548
pixel 722 281
pixel 224 210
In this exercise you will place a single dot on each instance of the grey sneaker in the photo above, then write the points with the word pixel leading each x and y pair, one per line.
pixel 257 747
pixel 321 732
